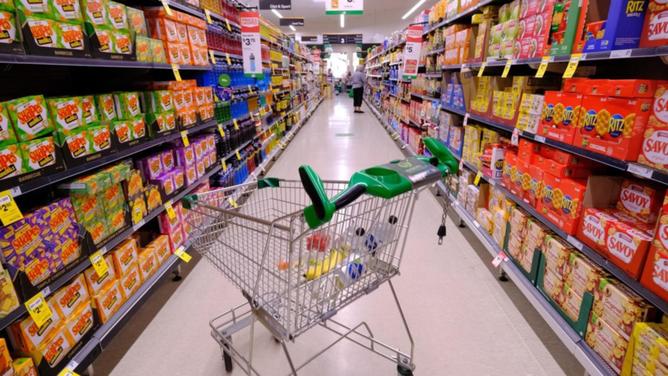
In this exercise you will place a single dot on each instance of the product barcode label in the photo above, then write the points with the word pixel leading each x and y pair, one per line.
pixel 500 257
pixel 620 53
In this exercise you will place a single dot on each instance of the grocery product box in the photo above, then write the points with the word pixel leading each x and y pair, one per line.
pixel 148 263
pixel 10 34
pixel 571 26
pixel 71 297
pixel 620 30
pixel 131 281
pixel 10 300
pixel 50 354
pixel 653 152
pixel 560 118
pixel 125 256
pixel 607 342
pixel 561 201
pixel 26 336
pixel 97 283
pixel 50 37
pixel 24 367
pixel 80 323
pixel 654 33
pixel 620 307
pixel 108 301
pixel 640 201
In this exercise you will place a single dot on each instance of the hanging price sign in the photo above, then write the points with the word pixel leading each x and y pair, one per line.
pixel 572 65
pixel 9 211
pixel 251 47
pixel 412 51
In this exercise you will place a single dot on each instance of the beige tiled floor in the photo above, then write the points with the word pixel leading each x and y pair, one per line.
pixel 464 321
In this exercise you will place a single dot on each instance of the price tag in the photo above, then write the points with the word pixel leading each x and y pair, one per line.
pixel 250 89
pixel 540 139
pixel 165 4
pixel 184 138
pixel 572 65
pixel 68 372
pixel 99 264
pixel 575 242
pixel 476 181
pixel 238 155
pixel 38 309
pixel 175 70
pixel 9 211
pixel 232 202
pixel 213 58
pixel 227 23
pixel 466 119
pixel 182 254
pixel 482 69
pixel 461 164
pixel 500 257
pixel 208 16
pixel 544 61
pixel 616 54
pixel 221 130
pixel 506 69
pixel 476 224
pixel 515 138
pixel 223 164
pixel 640 170
pixel 170 210
pixel 227 57
pixel 236 124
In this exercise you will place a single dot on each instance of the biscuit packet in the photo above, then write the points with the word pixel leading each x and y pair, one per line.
pixel 8 30
pixel 38 153
pixel 30 117
pixel 67 113
pixel 7 135
pixel 44 31
pixel 89 109
pixel 106 107
pixel 66 10
pixel 70 36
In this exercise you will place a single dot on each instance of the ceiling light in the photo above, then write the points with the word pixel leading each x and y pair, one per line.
pixel 292 28
pixel 274 11
pixel 343 20
pixel 413 9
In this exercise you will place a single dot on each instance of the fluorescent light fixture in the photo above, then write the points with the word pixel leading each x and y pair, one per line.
pixel 292 28
pixel 274 11
pixel 342 20
pixel 413 9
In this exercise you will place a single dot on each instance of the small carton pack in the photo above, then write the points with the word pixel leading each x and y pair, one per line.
pixel 127 104
pixel 592 229
pixel 80 322
pixel 108 301
pixel 148 263
pixel 582 276
pixel 30 117
pixel 654 151
pixel 640 201
pixel 25 335
pixel 560 116
pixel 627 247
pixel 607 342
pixel 97 283
pixel 619 306
pixel 70 297
pixel 95 11
pixel 562 200
pixel 131 281
pixel 24 367
pixel 38 153
pixel 125 256
pixel 655 272
pixel 89 109
pixel 106 106
pixel 117 15
pixel 7 135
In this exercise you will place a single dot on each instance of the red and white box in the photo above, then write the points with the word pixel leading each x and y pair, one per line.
pixel 640 201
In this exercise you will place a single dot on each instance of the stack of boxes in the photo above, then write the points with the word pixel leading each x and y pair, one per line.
pixel 452 45
pixel 174 228
pixel 190 102
pixel 52 24
pixel 128 116
pixel 647 350
pixel 533 29
pixel 183 36
pixel 503 35
pixel 160 117
pixel 107 21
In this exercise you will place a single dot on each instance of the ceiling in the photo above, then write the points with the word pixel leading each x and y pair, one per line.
pixel 380 18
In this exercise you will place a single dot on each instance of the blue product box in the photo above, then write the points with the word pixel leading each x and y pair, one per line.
pixel 621 30
pixel 456 140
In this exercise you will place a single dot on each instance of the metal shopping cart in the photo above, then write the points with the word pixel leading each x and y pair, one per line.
pixel 299 257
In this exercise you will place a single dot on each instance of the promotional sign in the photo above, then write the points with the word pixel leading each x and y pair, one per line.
pixel 291 21
pixel 309 39
pixel 276 4
pixel 344 6
pixel 329 39
pixel 412 51
pixel 251 47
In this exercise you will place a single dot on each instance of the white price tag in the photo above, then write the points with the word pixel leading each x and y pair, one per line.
pixel 466 119
pixel 476 224
pixel 574 242
pixel 640 170
pixel 620 53
pixel 501 257
pixel 515 138
pixel 540 139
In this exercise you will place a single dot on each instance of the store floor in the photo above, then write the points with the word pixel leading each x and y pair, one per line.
pixel 464 321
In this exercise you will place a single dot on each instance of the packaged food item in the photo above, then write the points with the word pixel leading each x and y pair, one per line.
pixel 80 322
pixel 105 39
pixel 138 127
pixel 122 42
pixel 5 359
pixel 28 8
pixel 131 281
pixel 148 263
pixel 655 272
pixel 30 117
pixel 127 104
pixel 8 29
pixel 117 15
pixel 125 256
pixel 70 297
pixel 95 11
pixel 89 110
pixel 619 306
pixel 161 247
pixel 158 54
pixel 143 48
pixel 108 301
pixel 654 33
pixel 24 367
pixel 44 31
pixel 653 152
pixel 560 115
pixel 136 21
pixel 105 103
pixel 70 36
pixel 582 276
pixel 55 349
pixel 11 161
pixel 97 283
pixel 67 113
pixel 38 153
pixel 7 135
pixel 66 10
pixel 25 335
pixel 561 201
pixel 606 342
pixel 8 299
pixel 152 167
pixel 78 143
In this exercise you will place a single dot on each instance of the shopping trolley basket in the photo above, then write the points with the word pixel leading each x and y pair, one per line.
pixel 299 257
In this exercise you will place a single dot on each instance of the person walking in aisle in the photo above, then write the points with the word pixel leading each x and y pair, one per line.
pixel 358 79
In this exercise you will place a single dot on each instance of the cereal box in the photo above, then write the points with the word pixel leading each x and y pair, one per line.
pixel 8 29
pixel 560 116
pixel 136 21
pixel 125 256
pixel 108 301
pixel 117 15
pixel 80 322
pixel 97 283
pixel 30 117
pixel 655 29
pixel 67 113
pixel 72 296
pixel 70 36
pixel 131 281
pixel 25 335
pixel 608 343
pixel 619 306
pixel 89 109
pixel 127 105
pixel 148 263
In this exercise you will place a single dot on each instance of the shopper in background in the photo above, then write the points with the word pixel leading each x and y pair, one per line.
pixel 358 80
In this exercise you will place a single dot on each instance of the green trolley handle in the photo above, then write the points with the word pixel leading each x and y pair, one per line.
pixel 386 181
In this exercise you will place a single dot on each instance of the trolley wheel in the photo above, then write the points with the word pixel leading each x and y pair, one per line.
pixel 404 371
pixel 227 359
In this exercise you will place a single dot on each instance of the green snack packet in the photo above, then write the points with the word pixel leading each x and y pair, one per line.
pixel 118 172
pixel 70 35
pixel 99 137
pixel 122 129
pixel 67 113
pixel 143 48
pixel 87 207
pixel 7 135
pixel 38 153
pixel 118 17
pixel 105 104
pixel 161 101
pixel 127 104
pixel 7 5
pixel 32 7
pixel 137 21
pixel 89 109
pixel 158 52
pixel 11 161
pixel 8 30
pixel 138 127
pixel 77 142
pixel 113 197
pixel 65 10
pixel 30 117
pixel 95 11
pixel 116 219
pixel 105 37
pixel 122 42
pixel 44 31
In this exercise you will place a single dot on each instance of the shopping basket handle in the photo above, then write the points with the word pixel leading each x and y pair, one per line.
pixel 444 160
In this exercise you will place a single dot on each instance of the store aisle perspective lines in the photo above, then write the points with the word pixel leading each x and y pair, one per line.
pixel 463 320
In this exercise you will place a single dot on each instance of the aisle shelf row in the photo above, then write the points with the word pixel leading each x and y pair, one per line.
pixel 105 332
pixel 457 17
pixel 631 167
pixel 222 54
pixel 390 48
pixel 592 362
pixel 435 52
pixel 90 62
pixel 425 97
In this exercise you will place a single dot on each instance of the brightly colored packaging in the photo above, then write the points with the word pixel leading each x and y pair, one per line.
pixel 38 153
pixel 655 30
pixel 654 150
pixel 30 117
pixel 106 106
pixel 67 113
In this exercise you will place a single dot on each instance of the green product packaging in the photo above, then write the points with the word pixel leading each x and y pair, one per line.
pixel 106 107
pixel 38 153
pixel 99 137
pixel 30 117
pixel 95 11
pixel 116 219
pixel 138 127
pixel 113 198
pixel 44 31
pixel 158 51
pixel 122 130
pixel 77 142
pixel 11 161
pixel 66 113
pixel 89 109
pixel 122 42
pixel 161 101
pixel 87 207
pixel 7 135
pixel 8 30
pixel 105 36
pixel 33 7
pixel 118 172
pixel 70 35
pixel 66 10
pixel 7 5
pixel 143 49
pixel 127 104
pixel 137 21
pixel 117 15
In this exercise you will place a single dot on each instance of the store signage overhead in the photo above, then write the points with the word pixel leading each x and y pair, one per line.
pixel 251 47
pixel 309 39
pixel 344 6
pixel 412 50
pixel 342 39
pixel 276 4
pixel 292 21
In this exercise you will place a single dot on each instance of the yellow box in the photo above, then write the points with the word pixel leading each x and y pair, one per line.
pixel 25 335
pixel 108 301
pixel 98 283
pixel 69 298
pixel 131 281
pixel 24 367
pixel 5 359
pixel 80 323
pixel 54 349
pixel 9 300
pixel 148 263
pixel 161 248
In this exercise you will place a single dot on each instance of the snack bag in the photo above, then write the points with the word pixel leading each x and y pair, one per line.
pixel 43 31
pixel 7 135
pixel 38 153
pixel 96 11
pixel 66 10
pixel 8 30
pixel 31 7
pixel 136 21
pixel 30 117
pixel 70 36
pixel 11 161
pixel 122 42
pixel 117 15
pixel 67 113
pixel 127 104
pixel 143 48
pixel 105 103
pixel 99 137
pixel 89 109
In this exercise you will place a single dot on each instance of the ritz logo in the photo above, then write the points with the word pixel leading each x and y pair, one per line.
pixel 616 125
pixel 635 8
pixel 568 116
pixel 549 112
pixel 567 204
pixel 590 120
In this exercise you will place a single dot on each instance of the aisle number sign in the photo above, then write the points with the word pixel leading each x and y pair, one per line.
pixel 355 7
pixel 412 51
pixel 251 47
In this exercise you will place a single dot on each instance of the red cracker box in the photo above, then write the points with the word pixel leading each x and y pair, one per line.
pixel 592 229
pixel 557 169
pixel 559 119
pixel 561 201
pixel 586 86
pixel 523 178
pixel 655 29
pixel 632 88
pixel 627 247
pixel 527 149
pixel 532 194
pixel 655 272
pixel 655 141
pixel 613 126
pixel 510 160
pixel 640 201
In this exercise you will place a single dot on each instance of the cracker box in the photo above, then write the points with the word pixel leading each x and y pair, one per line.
pixel 7 135
pixel 122 42
pixel 137 127
pixel 5 359
pixel 131 281
pixel 158 54
pixel 87 207
pixel 125 256
pixel 571 303
pixel 553 286
pixel 115 219
pixel 44 31
pixel 127 104
pixel 152 166
pixel 582 274
pixel 161 247
pixel 134 185
pixel 148 263
pixel 122 129
pixel 66 10
pixel 8 31
pixel 97 283
pixel 178 176
pixel 560 116
pixel 153 197
pixel 166 182
pixel 557 255
pixel 10 300
pixel 561 201
pixel 117 15
pixel 99 138
pixel 89 109
pixel 621 29
pixel 654 151
pixel 70 36
pixel 106 106
pixel 607 342
pixel 640 201
pixel 160 100
pixel 55 349
pixel 69 298
pixel 80 322
pixel 592 229
pixel 40 7
pixel 655 29
pixel 176 238
pixel 655 271
pixel 143 48
pixel 185 156
pixel 38 153
pixel 25 335
pixel 24 247
pixel 30 117
pixel 78 143
pixel 108 301
pixel 24 367
pixel 95 11
pixel 136 21
pixel 620 307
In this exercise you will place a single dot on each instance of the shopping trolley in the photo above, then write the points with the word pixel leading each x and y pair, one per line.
pixel 299 257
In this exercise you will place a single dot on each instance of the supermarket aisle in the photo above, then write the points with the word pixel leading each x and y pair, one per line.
pixel 463 320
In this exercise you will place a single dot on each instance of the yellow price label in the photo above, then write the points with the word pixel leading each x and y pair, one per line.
pixel 238 155
pixel 213 58
pixel 478 176
pixel 506 69
pixel 229 28
pixel 67 371
pixel 544 61
pixel 175 70
pixel 171 214
pixel 184 138
pixel 221 130
pixel 9 211
pixel 482 69
pixel 223 164
pixel 227 57
pixel 165 4
pixel 250 89
pixel 232 202
pixel 262 111
pixel 572 65
pixel 38 309
pixel 236 124
pixel 182 254
pixel 99 263
pixel 208 16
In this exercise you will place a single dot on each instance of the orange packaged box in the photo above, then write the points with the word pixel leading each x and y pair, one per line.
pixel 532 194
pixel 586 86
pixel 173 52
pixel 613 126
pixel 654 150
pixel 26 336
pixel 185 55
pixel 80 322
pixel 181 33
pixel 69 298
pixel 163 29
pixel 559 119
pixel 54 349
pixel 109 301
pixel 527 149
pixel 131 281
pixel 161 248
pixel 561 201
pixel 148 263
pixel 640 201
pixel 97 283
pixel 552 167
pixel 655 271
pixel 627 247
pixel 125 255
